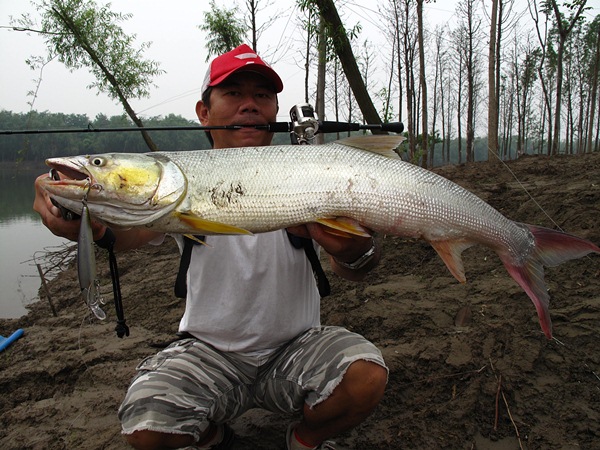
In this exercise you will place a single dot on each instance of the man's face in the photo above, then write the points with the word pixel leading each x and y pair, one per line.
pixel 244 98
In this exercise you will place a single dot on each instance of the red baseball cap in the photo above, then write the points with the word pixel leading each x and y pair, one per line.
pixel 239 59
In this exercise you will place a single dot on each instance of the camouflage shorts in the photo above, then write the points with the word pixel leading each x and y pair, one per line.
pixel 190 383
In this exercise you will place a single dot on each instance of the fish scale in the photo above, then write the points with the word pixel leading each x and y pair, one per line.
pixel 347 185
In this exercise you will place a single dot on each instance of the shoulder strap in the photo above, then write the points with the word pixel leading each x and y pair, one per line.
pixel 184 264
pixel 315 263
pixel 296 241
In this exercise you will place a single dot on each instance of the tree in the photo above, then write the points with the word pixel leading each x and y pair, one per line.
pixel 593 37
pixel 438 92
pixel 423 84
pixel 459 42
pixel 544 69
pixel 308 24
pixel 409 43
pixel 224 30
pixel 392 13
pixel 341 43
pixel 525 75
pixel 85 35
pixel 564 28
pixel 492 92
pixel 321 69
pixel 316 27
pixel 471 25
pixel 254 7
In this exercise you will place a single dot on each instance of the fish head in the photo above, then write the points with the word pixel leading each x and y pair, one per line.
pixel 124 189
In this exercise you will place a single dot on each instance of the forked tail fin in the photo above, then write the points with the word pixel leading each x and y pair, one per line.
pixel 551 249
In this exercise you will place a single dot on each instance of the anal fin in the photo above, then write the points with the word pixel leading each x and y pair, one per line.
pixel 344 226
pixel 450 252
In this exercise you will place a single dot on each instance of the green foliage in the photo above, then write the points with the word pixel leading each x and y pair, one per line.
pixel 224 30
pixel 37 147
pixel 387 113
pixel 83 34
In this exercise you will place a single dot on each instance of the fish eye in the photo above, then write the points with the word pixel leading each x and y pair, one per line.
pixel 97 161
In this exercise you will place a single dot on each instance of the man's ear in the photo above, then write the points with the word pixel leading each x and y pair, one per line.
pixel 202 112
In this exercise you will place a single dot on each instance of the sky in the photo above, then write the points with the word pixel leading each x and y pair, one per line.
pixel 179 45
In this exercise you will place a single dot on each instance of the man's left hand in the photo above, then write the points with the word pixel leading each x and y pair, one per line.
pixel 340 248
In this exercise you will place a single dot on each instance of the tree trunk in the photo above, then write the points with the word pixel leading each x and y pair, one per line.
pixel 320 103
pixel 470 94
pixel 423 83
pixel 399 60
pixel 459 110
pixel 493 93
pixel 307 59
pixel 410 86
pixel 252 11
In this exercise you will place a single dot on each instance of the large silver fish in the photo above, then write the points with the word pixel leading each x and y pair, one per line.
pixel 258 189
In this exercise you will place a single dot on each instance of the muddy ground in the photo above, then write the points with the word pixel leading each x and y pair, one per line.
pixel 470 367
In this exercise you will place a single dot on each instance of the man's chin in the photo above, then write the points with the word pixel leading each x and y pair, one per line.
pixel 252 136
pixel 236 143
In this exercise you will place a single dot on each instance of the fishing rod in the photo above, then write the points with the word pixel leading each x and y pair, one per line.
pixel 274 127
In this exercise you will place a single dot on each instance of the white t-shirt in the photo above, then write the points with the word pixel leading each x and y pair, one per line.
pixel 249 294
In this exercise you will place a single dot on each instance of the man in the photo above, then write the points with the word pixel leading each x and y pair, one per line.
pixel 252 323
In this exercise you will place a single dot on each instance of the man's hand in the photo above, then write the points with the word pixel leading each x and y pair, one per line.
pixel 341 249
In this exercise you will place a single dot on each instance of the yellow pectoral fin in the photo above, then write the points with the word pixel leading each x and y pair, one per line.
pixel 343 226
pixel 208 226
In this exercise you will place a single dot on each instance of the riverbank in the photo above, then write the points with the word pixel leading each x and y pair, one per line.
pixel 469 365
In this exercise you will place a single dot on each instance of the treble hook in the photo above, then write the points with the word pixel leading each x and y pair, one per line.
pixel 89 188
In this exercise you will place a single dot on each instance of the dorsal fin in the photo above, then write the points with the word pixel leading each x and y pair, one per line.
pixel 381 143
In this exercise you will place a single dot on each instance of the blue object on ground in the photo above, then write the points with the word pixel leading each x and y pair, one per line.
pixel 5 342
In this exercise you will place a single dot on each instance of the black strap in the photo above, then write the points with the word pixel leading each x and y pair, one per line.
pixel 315 263
pixel 296 241
pixel 108 242
pixel 184 264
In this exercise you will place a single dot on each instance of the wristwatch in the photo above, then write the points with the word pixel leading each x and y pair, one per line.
pixel 361 261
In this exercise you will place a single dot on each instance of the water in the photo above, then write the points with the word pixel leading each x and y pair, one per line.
pixel 22 236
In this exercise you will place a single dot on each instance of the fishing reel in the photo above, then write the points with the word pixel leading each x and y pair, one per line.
pixel 305 124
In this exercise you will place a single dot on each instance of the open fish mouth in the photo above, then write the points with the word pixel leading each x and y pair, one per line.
pixel 75 178
pixel 74 174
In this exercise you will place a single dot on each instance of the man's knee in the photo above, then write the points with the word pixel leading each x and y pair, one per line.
pixel 153 440
pixel 366 381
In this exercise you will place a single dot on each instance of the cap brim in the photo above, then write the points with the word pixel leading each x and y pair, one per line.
pixel 265 71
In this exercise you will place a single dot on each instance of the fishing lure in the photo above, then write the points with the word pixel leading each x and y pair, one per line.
pixel 86 264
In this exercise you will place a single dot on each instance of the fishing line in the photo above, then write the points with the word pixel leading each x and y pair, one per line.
pixel 171 99
pixel 525 189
